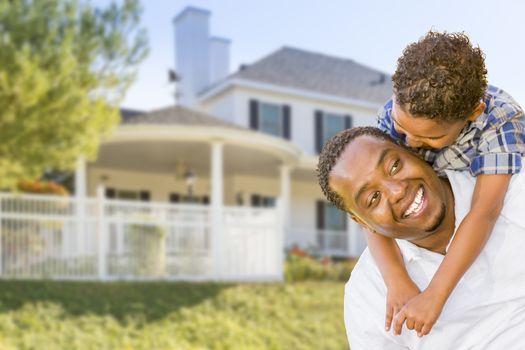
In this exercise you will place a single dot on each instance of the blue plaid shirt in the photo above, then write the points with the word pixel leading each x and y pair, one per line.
pixel 492 144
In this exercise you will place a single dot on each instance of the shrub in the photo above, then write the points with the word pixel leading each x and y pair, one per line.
pixel 147 245
pixel 302 267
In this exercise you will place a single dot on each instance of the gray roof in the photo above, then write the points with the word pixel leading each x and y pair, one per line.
pixel 178 115
pixel 316 72
pixel 127 113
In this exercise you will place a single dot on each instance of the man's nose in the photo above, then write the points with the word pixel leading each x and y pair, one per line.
pixel 413 141
pixel 395 189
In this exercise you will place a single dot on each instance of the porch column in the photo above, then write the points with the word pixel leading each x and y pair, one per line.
pixel 285 194
pixel 80 178
pixel 283 207
pixel 80 204
pixel 217 212
pixel 102 237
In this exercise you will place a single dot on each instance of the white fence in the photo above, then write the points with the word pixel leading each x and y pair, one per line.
pixel 95 238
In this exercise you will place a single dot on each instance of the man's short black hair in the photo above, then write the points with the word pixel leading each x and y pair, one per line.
pixel 331 152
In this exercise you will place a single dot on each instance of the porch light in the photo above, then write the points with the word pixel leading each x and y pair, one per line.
pixel 190 181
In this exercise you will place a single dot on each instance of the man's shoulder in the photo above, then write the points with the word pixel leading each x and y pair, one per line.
pixel 364 273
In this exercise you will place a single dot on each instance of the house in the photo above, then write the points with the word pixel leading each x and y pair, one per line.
pixel 229 170
pixel 268 120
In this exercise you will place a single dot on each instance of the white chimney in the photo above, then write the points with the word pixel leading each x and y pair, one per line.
pixel 192 52
pixel 200 60
pixel 219 59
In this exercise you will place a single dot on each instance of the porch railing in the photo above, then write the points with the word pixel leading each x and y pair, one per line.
pixel 95 238
pixel 321 242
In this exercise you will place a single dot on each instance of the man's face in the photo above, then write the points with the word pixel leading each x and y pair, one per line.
pixel 389 189
pixel 423 132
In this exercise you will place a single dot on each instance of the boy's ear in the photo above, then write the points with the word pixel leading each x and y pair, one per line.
pixel 477 112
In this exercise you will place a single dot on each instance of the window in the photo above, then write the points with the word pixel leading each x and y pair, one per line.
pixel 178 198
pixel 270 118
pixel 334 219
pixel 262 201
pixel 329 124
pixel 130 195
pixel 330 217
pixel 332 124
pixel 127 195
pixel 332 238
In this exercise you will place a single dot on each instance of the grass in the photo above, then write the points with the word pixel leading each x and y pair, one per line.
pixel 82 315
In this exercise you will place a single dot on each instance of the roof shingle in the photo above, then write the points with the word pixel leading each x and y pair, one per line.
pixel 178 115
pixel 320 73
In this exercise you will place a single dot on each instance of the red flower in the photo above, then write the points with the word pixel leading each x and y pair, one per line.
pixel 297 252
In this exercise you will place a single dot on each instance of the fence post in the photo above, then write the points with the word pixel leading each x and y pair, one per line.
pixel 101 234
pixel 280 223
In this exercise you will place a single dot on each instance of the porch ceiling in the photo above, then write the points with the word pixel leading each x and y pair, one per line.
pixel 167 156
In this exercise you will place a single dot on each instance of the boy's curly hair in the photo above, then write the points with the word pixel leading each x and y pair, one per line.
pixel 442 77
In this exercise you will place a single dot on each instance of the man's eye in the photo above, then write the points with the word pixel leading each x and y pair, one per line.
pixel 375 197
pixel 395 167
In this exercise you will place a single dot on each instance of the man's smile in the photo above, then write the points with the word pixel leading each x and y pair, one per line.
pixel 416 205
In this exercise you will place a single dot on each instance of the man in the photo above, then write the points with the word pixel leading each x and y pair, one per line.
pixel 391 191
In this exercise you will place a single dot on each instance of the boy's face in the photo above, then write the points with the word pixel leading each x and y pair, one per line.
pixel 423 132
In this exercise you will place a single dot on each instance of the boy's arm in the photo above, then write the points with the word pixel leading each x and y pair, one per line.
pixel 421 312
pixel 388 258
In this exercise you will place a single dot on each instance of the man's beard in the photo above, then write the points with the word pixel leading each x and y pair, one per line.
pixel 439 219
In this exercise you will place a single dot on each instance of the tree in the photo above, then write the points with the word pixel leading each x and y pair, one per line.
pixel 64 68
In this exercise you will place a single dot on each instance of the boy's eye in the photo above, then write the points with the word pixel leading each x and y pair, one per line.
pixel 395 167
pixel 373 198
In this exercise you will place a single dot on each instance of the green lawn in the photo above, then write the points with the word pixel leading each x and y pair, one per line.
pixel 79 315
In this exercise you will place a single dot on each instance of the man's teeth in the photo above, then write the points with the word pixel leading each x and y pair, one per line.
pixel 416 204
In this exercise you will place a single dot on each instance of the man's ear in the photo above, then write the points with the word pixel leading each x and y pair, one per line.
pixel 477 111
pixel 358 220
pixel 361 223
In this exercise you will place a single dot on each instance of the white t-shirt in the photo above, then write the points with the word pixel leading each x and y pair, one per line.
pixel 486 309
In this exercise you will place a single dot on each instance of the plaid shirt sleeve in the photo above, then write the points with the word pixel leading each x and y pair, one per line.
pixel 384 121
pixel 386 124
pixel 500 148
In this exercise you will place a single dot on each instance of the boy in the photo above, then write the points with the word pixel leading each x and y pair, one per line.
pixel 443 107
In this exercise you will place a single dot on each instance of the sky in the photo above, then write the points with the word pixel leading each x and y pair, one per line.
pixel 371 32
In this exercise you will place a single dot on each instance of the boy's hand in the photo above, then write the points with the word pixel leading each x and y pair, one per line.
pixel 420 313
pixel 398 295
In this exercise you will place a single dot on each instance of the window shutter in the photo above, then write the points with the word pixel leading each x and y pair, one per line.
pixel 256 200
pixel 286 122
pixel 349 122
pixel 318 131
pixel 320 215
pixel 254 114
pixel 174 198
pixel 110 193
pixel 144 196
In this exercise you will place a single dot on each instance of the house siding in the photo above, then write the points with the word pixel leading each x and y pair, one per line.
pixel 302 111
